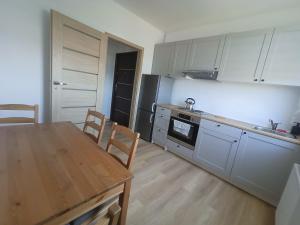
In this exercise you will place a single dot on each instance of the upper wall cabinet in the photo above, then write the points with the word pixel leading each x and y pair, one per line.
pixel 178 59
pixel 244 55
pixel 205 53
pixel 163 55
pixel 283 62
pixel 264 56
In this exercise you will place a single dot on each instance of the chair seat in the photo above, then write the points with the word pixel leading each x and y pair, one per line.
pixel 85 218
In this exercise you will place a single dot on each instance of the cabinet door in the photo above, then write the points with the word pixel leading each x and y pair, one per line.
pixel 282 64
pixel 179 57
pixel 204 53
pixel 159 136
pixel 163 54
pixel 244 55
pixel 215 151
pixel 263 164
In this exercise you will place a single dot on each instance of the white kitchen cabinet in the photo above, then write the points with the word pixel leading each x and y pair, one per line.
pixel 161 124
pixel 159 136
pixel 179 57
pixel 244 56
pixel 282 65
pixel 215 151
pixel 205 53
pixel 263 164
pixel 179 149
pixel 162 60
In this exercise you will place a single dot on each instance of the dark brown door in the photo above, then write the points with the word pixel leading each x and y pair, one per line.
pixel 123 86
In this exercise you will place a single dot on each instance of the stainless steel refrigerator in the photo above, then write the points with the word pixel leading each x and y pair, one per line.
pixel 154 89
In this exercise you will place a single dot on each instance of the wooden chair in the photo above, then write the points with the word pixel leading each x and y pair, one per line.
pixel 98 128
pixel 103 215
pixel 130 151
pixel 20 107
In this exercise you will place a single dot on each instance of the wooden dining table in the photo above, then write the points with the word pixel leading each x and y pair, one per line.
pixel 52 173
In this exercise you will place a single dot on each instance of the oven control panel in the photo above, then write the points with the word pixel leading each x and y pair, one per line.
pixel 186 117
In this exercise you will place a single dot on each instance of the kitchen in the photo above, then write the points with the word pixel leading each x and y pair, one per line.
pixel 240 118
pixel 201 98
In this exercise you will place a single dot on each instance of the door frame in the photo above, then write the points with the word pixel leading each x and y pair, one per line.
pixel 137 75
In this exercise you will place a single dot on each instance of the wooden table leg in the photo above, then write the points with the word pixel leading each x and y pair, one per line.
pixel 124 200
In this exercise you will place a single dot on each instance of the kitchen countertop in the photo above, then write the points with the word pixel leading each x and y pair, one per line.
pixel 233 123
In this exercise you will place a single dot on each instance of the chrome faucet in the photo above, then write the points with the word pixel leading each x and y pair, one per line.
pixel 273 125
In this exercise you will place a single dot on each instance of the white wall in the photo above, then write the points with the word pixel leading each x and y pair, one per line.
pixel 252 103
pixel 25 44
pixel 114 47
pixel 247 102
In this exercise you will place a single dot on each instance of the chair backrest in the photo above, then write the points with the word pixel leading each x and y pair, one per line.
pixel 103 216
pixel 20 107
pixel 130 151
pixel 94 126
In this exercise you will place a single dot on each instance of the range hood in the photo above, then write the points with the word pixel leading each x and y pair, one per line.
pixel 200 74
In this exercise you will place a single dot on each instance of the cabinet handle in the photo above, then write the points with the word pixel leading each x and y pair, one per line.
pixel 218 125
pixel 255 79
pixel 262 80
pixel 245 132
pixel 235 141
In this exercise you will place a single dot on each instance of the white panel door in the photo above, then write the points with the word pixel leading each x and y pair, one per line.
pixel 283 61
pixel 163 55
pixel 78 60
pixel 244 55
pixel 203 53
pixel 215 151
pixel 179 57
pixel 263 164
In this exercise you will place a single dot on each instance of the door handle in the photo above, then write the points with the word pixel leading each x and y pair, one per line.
pixel 151 118
pixel 152 107
pixel 59 83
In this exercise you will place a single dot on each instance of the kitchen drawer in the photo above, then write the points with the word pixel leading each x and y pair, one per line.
pixel 162 122
pixel 159 136
pixel 221 128
pixel 161 111
pixel 179 149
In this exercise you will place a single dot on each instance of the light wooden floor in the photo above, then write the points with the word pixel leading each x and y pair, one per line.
pixel 168 190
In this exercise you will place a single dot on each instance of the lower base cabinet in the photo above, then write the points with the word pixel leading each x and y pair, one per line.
pixel 215 151
pixel 179 149
pixel 159 136
pixel 263 164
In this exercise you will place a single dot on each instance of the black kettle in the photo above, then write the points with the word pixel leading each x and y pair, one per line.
pixel 296 129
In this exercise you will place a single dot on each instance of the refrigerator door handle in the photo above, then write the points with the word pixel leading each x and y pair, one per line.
pixel 151 118
pixel 152 107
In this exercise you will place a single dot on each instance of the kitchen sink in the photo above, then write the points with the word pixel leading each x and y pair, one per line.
pixel 269 130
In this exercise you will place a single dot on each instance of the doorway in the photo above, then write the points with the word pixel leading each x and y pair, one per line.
pixel 122 80
pixel 125 67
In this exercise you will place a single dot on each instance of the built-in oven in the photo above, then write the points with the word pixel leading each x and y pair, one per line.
pixel 183 129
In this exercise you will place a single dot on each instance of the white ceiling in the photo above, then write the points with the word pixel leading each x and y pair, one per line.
pixel 171 15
